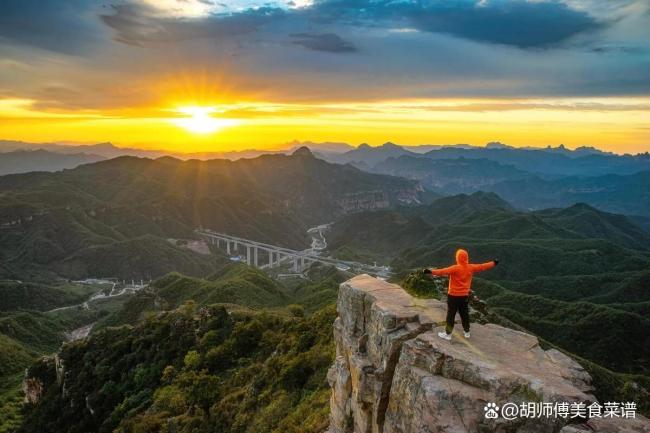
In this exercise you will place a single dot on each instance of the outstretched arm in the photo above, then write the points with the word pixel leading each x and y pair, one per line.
pixel 480 267
pixel 443 271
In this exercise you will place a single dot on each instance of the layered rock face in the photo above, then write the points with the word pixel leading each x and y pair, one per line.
pixel 393 374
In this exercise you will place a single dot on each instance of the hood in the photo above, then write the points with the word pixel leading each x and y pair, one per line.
pixel 462 258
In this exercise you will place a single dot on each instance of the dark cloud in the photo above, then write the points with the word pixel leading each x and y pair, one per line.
pixel 519 23
pixel 136 24
pixel 72 26
pixel 63 26
pixel 328 42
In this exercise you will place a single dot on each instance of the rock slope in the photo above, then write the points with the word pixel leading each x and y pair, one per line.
pixel 393 374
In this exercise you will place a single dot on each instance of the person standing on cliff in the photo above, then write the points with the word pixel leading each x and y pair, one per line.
pixel 460 283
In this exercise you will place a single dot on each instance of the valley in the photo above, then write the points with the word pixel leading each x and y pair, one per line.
pixel 170 291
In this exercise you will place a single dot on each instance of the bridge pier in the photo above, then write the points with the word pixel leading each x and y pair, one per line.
pixel 297 260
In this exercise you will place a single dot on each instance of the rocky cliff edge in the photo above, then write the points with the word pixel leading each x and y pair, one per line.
pixel 393 374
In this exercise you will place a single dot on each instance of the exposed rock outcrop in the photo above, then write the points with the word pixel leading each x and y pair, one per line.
pixel 393 374
pixel 32 389
pixel 365 200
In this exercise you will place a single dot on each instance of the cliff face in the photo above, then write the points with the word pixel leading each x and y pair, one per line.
pixel 393 374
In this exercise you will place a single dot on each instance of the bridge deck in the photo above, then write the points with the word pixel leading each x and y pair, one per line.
pixel 305 254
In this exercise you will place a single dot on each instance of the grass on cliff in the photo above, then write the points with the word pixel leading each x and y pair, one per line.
pixel 11 401
pixel 24 336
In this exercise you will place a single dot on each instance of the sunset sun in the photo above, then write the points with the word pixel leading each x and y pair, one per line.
pixel 199 120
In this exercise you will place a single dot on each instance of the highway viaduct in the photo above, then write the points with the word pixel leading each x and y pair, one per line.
pixel 277 255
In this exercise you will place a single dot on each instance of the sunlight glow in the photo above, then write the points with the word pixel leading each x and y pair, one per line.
pixel 182 9
pixel 202 8
pixel 185 123
pixel 200 121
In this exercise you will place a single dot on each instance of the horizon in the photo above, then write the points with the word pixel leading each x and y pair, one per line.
pixel 193 76
pixel 294 145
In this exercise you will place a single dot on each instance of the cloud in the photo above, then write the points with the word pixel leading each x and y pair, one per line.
pixel 327 42
pixel 138 24
pixel 520 23
pixel 137 53
pixel 67 27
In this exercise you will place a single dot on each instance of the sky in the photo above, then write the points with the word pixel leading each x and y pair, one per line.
pixel 217 75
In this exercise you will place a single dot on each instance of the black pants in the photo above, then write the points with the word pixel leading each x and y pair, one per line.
pixel 458 304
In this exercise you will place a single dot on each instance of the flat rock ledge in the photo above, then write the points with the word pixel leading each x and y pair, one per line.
pixel 393 374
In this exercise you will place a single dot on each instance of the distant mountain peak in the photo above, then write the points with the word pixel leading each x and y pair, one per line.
pixel 581 205
pixel 364 146
pixel 390 145
pixel 318 147
pixel 104 145
pixel 303 151
pixel 497 145
pixel 165 158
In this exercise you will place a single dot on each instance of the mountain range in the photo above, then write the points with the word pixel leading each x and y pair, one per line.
pixel 368 156
pixel 108 150
pixel 211 345
pixel 90 220
pixel 527 178
pixel 24 161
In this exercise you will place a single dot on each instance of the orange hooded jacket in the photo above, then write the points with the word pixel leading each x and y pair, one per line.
pixel 460 274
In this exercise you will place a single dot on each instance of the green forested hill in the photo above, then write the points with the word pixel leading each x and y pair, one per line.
pixel 233 284
pixel 589 222
pixel 41 296
pixel 203 371
pixel 602 288
pixel 483 218
pixel 25 335
pixel 190 349
pixel 582 327
pixel 111 218
pixel 457 208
